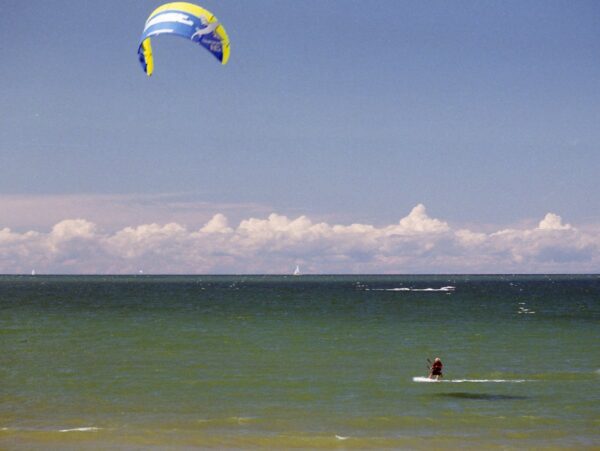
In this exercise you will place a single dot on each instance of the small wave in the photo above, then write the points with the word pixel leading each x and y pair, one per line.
pixel 448 288
pixel 340 437
pixel 242 420
pixel 228 420
pixel 526 311
pixel 86 429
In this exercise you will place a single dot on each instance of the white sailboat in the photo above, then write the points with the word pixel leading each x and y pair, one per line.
pixel 297 271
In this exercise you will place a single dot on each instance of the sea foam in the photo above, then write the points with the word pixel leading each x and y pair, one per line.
pixel 458 381
pixel 446 289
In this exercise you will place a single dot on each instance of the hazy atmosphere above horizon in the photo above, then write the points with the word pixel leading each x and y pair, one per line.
pixel 342 136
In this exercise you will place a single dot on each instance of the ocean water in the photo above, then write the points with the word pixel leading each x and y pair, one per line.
pixel 309 362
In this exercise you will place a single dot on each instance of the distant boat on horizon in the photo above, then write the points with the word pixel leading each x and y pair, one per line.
pixel 297 271
pixel 33 272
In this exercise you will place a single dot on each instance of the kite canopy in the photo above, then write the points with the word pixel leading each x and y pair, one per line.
pixel 188 21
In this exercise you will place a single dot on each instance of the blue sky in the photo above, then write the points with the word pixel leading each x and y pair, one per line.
pixel 346 112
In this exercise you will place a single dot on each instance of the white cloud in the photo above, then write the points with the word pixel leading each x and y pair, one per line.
pixel 70 229
pixel 553 222
pixel 417 243
pixel 218 224
pixel 417 222
pixel 470 239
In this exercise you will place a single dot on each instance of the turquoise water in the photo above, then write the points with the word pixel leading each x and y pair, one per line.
pixel 182 362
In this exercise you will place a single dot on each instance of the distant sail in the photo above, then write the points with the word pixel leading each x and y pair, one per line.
pixel 297 271
pixel 33 272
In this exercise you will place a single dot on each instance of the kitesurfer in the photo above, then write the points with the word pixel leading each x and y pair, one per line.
pixel 435 371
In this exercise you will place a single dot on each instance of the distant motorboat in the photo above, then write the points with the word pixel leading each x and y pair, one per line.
pixel 297 271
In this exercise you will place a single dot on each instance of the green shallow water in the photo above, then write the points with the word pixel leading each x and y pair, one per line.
pixel 186 362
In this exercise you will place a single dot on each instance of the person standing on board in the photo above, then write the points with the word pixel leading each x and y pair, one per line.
pixel 435 372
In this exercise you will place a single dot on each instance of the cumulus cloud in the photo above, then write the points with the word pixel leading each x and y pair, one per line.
pixel 553 222
pixel 417 243
pixel 218 224
pixel 71 229
pixel 417 222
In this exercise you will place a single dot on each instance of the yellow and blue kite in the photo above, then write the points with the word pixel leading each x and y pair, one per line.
pixel 188 21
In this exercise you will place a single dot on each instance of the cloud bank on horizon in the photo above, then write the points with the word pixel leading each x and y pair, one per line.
pixel 418 243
